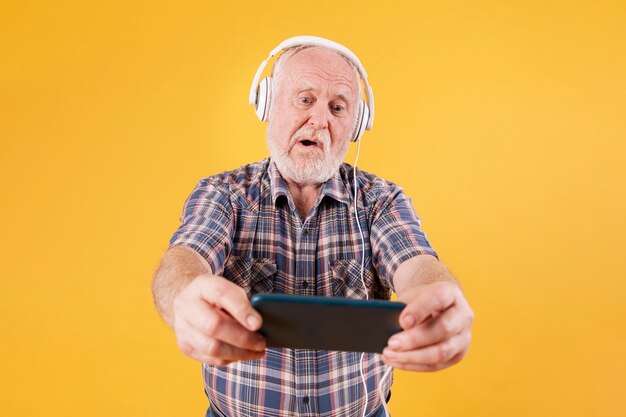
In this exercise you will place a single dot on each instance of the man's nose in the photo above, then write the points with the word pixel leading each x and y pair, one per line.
pixel 319 116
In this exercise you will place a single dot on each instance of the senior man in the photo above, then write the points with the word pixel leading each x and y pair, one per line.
pixel 296 224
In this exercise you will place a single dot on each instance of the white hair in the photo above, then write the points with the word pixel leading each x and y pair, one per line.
pixel 289 52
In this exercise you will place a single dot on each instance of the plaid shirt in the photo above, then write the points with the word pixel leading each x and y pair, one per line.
pixel 245 224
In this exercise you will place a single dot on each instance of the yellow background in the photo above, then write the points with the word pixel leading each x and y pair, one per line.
pixel 504 121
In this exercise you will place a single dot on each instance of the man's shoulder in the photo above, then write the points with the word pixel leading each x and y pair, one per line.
pixel 241 177
pixel 240 185
pixel 371 185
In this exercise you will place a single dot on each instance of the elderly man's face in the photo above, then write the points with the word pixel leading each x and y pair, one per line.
pixel 312 117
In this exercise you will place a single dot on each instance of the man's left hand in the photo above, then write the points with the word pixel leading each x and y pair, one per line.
pixel 436 325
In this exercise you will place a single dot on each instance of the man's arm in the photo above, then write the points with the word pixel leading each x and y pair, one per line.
pixel 436 322
pixel 212 317
pixel 179 266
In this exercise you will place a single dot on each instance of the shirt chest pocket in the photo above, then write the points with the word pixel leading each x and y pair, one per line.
pixel 346 281
pixel 254 275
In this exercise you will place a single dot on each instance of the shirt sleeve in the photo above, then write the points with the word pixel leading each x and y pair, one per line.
pixel 207 224
pixel 396 234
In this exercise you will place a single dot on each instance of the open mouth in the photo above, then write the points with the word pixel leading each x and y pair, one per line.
pixel 307 142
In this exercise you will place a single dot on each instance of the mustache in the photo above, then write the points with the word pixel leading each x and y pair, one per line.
pixel 322 136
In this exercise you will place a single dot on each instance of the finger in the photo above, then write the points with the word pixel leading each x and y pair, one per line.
pixel 433 331
pixel 233 299
pixel 212 351
pixel 432 355
pixel 198 355
pixel 423 368
pixel 430 301
pixel 214 323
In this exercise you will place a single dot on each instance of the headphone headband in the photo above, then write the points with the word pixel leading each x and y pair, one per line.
pixel 325 43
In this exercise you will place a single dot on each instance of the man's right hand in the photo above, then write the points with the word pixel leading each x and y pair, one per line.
pixel 215 323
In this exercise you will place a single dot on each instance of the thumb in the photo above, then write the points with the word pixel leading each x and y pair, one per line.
pixel 232 299
pixel 426 301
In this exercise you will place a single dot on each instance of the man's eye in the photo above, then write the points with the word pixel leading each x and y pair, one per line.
pixel 305 100
pixel 337 108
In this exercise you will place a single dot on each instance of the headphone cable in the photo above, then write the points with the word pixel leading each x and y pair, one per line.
pixel 389 370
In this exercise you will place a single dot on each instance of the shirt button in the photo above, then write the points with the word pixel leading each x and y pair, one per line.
pixel 305 232
pixel 305 285
pixel 305 400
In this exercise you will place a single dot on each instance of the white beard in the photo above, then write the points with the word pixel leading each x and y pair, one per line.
pixel 313 167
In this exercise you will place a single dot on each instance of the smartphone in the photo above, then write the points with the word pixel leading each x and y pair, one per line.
pixel 327 323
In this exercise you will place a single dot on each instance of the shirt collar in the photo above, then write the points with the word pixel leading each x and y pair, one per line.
pixel 336 187
pixel 278 186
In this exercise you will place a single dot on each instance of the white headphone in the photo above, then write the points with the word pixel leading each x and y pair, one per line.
pixel 260 92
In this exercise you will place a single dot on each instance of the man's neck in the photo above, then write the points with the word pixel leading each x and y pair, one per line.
pixel 304 196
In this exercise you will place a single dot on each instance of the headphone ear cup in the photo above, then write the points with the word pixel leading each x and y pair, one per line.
pixel 263 96
pixel 361 124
